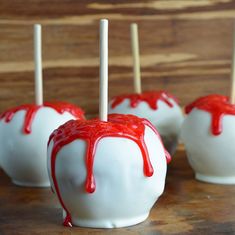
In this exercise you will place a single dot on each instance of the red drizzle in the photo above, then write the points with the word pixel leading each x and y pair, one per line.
pixel 150 97
pixel 205 99
pixel 92 131
pixel 31 110
pixel 217 106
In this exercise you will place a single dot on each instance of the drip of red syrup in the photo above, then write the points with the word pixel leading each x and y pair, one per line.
pixel 150 97
pixel 217 106
pixel 205 99
pixel 31 110
pixel 92 131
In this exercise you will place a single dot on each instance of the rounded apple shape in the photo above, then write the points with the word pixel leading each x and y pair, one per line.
pixel 24 133
pixel 107 174
pixel 208 133
pixel 159 107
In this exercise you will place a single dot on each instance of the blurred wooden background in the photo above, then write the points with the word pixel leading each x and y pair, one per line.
pixel 185 48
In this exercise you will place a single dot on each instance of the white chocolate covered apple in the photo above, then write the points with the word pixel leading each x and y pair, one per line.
pixel 107 174
pixel 159 107
pixel 208 133
pixel 24 133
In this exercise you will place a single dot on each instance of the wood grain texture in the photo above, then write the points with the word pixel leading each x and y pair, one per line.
pixel 186 207
pixel 185 48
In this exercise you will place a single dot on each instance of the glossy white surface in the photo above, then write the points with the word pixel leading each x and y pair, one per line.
pixel 124 195
pixel 24 157
pixel 167 120
pixel 211 157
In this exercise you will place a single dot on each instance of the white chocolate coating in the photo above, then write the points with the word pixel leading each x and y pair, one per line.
pixel 211 157
pixel 23 156
pixel 167 120
pixel 123 195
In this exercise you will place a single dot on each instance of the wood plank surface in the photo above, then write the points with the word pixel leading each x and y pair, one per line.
pixel 186 207
pixel 185 48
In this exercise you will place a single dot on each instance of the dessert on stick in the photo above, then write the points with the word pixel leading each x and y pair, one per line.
pixel 159 107
pixel 208 133
pixel 109 171
pixel 25 129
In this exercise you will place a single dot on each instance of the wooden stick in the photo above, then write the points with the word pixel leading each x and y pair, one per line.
pixel 232 91
pixel 38 64
pixel 103 105
pixel 136 57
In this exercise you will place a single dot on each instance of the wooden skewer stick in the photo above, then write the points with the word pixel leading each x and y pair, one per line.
pixel 103 102
pixel 38 64
pixel 232 91
pixel 136 57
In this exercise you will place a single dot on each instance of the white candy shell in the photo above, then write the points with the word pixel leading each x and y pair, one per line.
pixel 24 156
pixel 211 157
pixel 167 120
pixel 123 195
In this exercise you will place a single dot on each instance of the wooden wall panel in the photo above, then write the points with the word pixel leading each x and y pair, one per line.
pixel 185 48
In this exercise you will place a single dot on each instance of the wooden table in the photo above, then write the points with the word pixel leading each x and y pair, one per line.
pixel 187 207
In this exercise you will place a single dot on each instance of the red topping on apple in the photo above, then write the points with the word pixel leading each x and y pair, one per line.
pixel 31 110
pixel 217 106
pixel 208 98
pixel 150 97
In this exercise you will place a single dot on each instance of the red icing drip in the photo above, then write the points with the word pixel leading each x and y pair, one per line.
pixel 31 110
pixel 62 107
pixel 168 156
pixel 68 221
pixel 92 131
pixel 29 116
pixel 150 97
pixel 217 106
pixel 208 98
